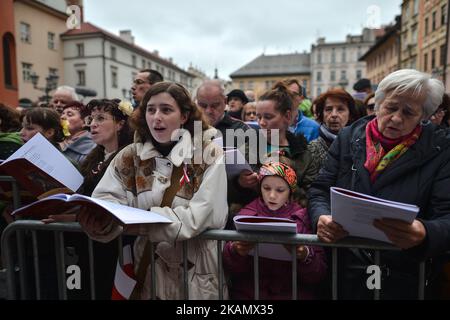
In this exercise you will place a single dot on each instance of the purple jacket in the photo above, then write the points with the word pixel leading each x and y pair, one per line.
pixel 275 276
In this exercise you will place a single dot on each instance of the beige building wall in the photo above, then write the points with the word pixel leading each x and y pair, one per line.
pixel 434 30
pixel 411 36
pixel 383 60
pixel 35 51
pixel 261 84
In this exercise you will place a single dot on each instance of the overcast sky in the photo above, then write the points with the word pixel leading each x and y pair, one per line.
pixel 229 34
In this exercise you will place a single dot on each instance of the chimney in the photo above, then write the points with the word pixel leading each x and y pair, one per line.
pixel 156 53
pixel 321 40
pixel 126 36
pixel 78 3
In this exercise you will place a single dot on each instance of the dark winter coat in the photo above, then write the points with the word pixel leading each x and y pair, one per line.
pixel 421 177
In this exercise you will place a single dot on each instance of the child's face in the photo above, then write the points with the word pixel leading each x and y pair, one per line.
pixel 275 192
pixel 250 113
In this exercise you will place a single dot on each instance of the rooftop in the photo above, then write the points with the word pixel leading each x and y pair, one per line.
pixel 272 65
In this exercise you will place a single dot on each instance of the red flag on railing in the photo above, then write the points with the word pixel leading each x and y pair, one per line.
pixel 124 279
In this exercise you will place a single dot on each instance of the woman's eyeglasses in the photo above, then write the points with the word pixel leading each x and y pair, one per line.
pixel 97 119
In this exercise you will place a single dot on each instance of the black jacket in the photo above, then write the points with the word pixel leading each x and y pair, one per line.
pixel 421 177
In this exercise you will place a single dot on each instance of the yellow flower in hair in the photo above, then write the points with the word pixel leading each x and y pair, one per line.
pixel 126 108
pixel 65 127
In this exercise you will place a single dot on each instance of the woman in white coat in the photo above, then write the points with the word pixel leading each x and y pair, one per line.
pixel 141 175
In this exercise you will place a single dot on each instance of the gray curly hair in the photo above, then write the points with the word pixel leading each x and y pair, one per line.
pixel 409 80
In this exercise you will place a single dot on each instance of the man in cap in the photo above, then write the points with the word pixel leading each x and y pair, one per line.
pixel 236 100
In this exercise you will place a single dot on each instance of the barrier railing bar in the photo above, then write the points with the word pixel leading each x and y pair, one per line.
pixel 60 269
pixel 220 268
pixel 185 270
pixel 256 270
pixel 37 279
pixel 376 292
pixel 334 273
pixel 91 268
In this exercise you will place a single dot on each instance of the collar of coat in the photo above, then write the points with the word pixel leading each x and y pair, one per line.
pixel 184 149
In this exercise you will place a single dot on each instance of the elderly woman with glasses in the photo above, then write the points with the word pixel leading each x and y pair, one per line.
pixel 395 155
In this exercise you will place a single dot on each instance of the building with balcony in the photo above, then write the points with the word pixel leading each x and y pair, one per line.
pixel 337 64
pixel 383 57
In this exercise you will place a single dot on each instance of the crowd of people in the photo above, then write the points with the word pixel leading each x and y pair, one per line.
pixel 393 143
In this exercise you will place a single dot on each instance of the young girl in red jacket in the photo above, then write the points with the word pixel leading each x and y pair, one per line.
pixel 277 181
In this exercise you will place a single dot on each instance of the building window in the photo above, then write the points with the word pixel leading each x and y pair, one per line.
pixel 163 71
pixel 25 32
pixel 442 55
pixel 26 71
pixel 344 55
pixel 358 74
pixel 143 63
pixel 359 53
pixel 114 79
pixel 425 62
pixel 444 15
pixel 51 41
pixel 8 57
pixel 241 85
pixel 433 59
pixel 81 78
pixel 333 75
pixel 113 53
pixel 416 7
pixel 149 65
pixel 319 91
pixel 319 57
pixel 133 60
pixel 80 49
pixel 333 55
pixel 414 34
pixel 250 85
pixel 433 21
pixel 319 76
pixel 343 75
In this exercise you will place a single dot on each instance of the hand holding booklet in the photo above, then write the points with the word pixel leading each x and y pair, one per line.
pixel 356 212
pixel 39 167
pixel 268 224
pixel 60 203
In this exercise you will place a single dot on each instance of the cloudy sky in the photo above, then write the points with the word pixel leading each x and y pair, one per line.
pixel 229 34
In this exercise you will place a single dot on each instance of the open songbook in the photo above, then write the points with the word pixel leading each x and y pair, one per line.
pixel 267 224
pixel 39 167
pixel 356 212
pixel 60 203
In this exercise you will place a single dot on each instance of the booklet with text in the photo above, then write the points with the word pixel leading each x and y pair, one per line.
pixel 356 212
pixel 39 167
pixel 269 224
pixel 60 203
pixel 235 162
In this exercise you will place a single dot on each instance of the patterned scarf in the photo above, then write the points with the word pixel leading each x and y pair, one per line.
pixel 382 151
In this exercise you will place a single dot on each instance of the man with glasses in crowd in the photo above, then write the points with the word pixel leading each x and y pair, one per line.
pixel 143 81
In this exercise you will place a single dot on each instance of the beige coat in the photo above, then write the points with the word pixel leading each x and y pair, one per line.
pixel 138 177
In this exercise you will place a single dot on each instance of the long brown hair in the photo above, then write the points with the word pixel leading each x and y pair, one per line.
pixel 46 118
pixel 282 97
pixel 184 101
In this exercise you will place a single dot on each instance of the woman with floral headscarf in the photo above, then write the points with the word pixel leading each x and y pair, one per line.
pixel 277 182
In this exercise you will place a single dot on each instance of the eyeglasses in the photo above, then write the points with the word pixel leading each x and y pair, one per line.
pixel 99 119
pixel 371 106
pixel 250 113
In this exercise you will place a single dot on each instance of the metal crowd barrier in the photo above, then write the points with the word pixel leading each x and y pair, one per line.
pixel 7 243
pixel 14 188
